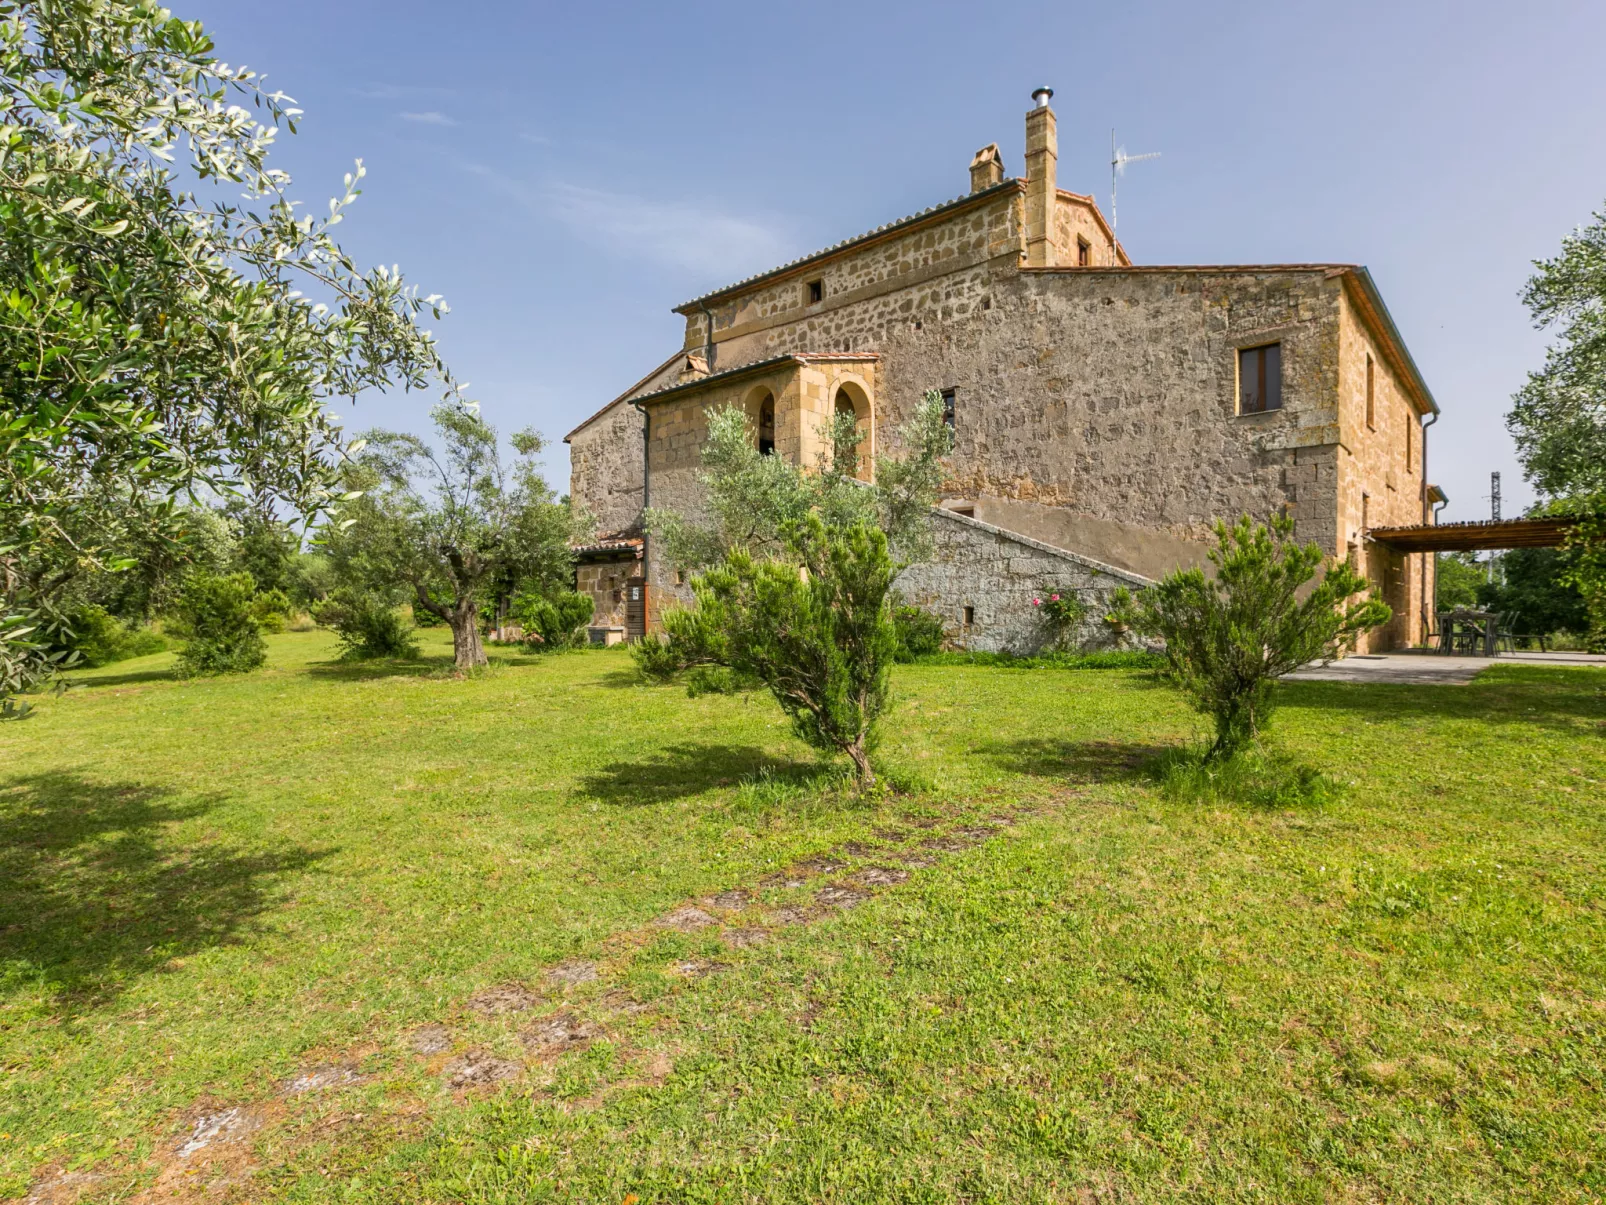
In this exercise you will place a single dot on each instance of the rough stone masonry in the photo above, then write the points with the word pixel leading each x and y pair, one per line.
pixel 1103 411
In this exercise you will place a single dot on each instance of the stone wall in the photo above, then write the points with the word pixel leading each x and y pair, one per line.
pixel 605 468
pixel 604 581
pixel 1075 218
pixel 997 574
pixel 1380 481
pixel 978 231
pixel 1110 394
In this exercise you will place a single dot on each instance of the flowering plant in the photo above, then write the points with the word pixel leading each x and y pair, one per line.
pixel 1065 612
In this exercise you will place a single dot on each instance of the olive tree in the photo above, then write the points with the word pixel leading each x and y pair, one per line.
pixel 751 499
pixel 160 332
pixel 1558 418
pixel 448 524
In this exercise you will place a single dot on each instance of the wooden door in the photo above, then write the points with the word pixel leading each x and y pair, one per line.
pixel 635 608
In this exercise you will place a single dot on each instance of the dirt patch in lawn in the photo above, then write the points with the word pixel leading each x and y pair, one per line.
pixel 430 1039
pixel 504 998
pixel 839 896
pixel 558 1034
pixel 881 876
pixel 479 1067
pixel 685 919
pixel 319 1078
pixel 567 974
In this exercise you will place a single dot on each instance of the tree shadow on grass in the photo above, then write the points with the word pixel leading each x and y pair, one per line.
pixel 95 679
pixel 1078 761
pixel 96 893
pixel 380 667
pixel 681 771
pixel 1551 698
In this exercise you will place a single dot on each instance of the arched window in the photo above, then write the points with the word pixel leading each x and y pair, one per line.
pixel 766 426
pixel 846 452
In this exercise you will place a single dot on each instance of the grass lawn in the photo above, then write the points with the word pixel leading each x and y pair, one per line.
pixel 378 934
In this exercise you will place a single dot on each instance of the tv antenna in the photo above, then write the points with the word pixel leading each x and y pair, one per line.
pixel 1118 161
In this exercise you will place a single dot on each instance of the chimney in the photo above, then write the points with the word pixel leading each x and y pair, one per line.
pixel 987 168
pixel 1042 160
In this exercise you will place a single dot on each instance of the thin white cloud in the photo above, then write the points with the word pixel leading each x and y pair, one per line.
pixel 430 118
pixel 678 234
pixel 400 91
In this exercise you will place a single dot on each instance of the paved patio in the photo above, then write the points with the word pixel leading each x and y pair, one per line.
pixel 1428 668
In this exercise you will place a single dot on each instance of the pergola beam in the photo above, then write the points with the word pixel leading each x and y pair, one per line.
pixel 1548 531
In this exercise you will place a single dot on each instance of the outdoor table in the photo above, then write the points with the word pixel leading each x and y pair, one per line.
pixel 1468 631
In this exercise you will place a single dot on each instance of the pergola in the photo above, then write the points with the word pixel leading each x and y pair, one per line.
pixel 1548 531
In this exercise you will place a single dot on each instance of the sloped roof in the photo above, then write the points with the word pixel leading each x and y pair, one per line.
pixel 913 219
pixel 757 366
pixel 625 396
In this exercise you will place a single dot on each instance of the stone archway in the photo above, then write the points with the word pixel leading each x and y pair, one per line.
pixel 851 399
pixel 760 410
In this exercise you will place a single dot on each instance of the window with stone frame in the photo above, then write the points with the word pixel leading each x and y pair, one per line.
pixel 816 291
pixel 1084 253
pixel 1260 379
pixel 766 426
pixel 1371 394
pixel 948 406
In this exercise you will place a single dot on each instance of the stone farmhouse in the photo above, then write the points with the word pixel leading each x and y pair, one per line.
pixel 1104 413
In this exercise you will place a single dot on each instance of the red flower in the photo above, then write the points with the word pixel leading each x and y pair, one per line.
pixel 1037 602
pixel 1054 598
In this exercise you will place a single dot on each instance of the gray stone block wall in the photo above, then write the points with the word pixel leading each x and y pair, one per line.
pixel 997 574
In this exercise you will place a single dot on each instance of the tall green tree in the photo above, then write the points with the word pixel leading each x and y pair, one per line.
pixel 158 333
pixel 448 524
pixel 1558 419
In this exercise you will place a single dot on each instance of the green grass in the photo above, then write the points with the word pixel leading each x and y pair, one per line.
pixel 210 886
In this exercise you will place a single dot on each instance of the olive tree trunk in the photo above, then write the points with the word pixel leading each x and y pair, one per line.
pixel 467 651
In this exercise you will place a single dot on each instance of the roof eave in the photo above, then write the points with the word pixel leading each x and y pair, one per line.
pixel 758 368
pixel 1385 323
pixel 891 230
pixel 625 396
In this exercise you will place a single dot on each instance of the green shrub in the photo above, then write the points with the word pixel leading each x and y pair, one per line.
pixel 222 634
pixel 816 629
pixel 918 632
pixel 555 621
pixel 1064 612
pixel 100 638
pixel 272 610
pixel 367 625
pixel 1229 638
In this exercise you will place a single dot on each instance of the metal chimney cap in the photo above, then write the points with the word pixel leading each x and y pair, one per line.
pixel 1041 96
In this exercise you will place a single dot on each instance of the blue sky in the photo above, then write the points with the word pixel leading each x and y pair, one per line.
pixel 564 174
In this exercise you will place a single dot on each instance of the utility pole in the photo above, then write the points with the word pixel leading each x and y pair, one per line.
pixel 1494 515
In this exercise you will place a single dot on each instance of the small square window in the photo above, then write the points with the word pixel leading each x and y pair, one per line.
pixel 816 291
pixel 1260 379
pixel 970 616
pixel 948 407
